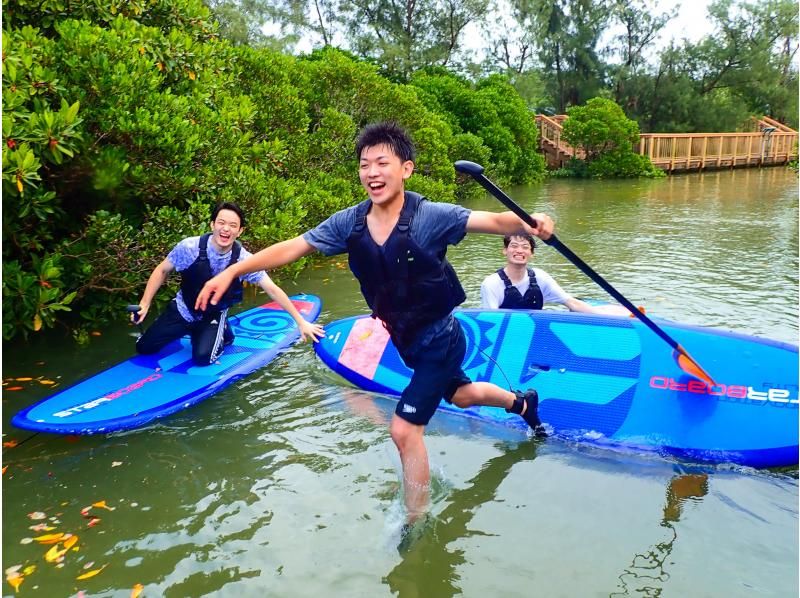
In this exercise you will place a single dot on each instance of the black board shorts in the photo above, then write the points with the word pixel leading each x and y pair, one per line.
pixel 437 373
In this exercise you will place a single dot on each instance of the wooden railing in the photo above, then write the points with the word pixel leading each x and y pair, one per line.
pixel 557 151
pixel 771 142
pixel 697 151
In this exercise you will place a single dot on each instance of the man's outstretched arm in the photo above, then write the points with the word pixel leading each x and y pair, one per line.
pixel 272 257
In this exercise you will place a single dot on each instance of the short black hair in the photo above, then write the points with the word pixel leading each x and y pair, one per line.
pixel 228 205
pixel 386 133
pixel 528 238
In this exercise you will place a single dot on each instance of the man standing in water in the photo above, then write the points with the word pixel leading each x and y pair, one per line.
pixel 396 242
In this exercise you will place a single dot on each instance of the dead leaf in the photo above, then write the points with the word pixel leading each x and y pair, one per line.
pixel 91 573
pixel 52 555
pixel 10 444
pixel 47 382
pixel 36 515
pixel 116 463
pixel 102 505
pixel 137 589
pixel 41 527
pixel 4 468
pixel 15 579
pixel 93 521
pixel 29 569
pixel 50 538
pixel 14 388
pixel 23 379
pixel 70 542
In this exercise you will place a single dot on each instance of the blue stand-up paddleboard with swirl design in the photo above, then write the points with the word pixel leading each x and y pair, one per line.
pixel 609 380
pixel 147 387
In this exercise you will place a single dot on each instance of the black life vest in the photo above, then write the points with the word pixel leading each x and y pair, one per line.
pixel 512 299
pixel 195 276
pixel 406 286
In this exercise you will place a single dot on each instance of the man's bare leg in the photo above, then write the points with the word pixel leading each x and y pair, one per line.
pixel 410 443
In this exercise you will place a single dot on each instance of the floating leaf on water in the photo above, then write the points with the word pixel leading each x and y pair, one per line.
pixel 116 463
pixel 14 388
pixel 91 573
pixel 41 527
pixel 37 515
pixel 29 569
pixel 89 565
pixel 4 468
pixel 15 580
pixel 96 333
pixel 10 444
pixel 94 521
pixel 26 540
pixel 13 569
pixel 47 382
pixel 50 538
pixel 101 504
pixel 52 555
pixel 26 379
pixel 70 542
pixel 137 589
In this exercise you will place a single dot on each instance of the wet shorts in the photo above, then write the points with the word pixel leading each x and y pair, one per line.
pixel 437 373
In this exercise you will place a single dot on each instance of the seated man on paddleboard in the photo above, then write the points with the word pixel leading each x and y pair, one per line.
pixel 198 259
pixel 516 286
pixel 396 242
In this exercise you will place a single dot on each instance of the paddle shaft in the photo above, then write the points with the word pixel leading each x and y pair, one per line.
pixel 554 242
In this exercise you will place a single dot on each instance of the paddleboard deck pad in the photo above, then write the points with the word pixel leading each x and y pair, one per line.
pixel 147 387
pixel 609 380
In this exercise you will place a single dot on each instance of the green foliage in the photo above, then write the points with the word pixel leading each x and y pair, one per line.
pixel 493 112
pixel 623 164
pixel 124 123
pixel 33 296
pixel 598 127
pixel 607 138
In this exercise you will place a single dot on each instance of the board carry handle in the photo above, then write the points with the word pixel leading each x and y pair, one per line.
pixel 682 357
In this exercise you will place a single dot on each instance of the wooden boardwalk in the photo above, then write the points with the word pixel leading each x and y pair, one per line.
pixel 769 143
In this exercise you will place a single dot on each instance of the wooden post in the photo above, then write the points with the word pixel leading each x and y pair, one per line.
pixel 672 156
pixel 719 152
pixel 705 145
pixel 689 157
pixel 749 149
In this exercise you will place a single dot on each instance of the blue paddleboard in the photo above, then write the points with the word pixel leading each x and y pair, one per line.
pixel 609 380
pixel 147 387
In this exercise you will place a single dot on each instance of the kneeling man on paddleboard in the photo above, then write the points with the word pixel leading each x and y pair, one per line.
pixel 198 259
pixel 396 242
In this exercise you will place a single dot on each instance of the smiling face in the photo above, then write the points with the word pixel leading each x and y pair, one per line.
pixel 225 229
pixel 519 251
pixel 383 173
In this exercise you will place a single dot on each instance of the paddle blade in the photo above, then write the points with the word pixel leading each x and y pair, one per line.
pixel 691 367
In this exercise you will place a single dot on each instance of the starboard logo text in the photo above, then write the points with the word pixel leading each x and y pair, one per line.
pixel 106 398
pixel 733 391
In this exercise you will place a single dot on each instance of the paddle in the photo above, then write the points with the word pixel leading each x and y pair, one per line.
pixel 135 309
pixel 682 357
